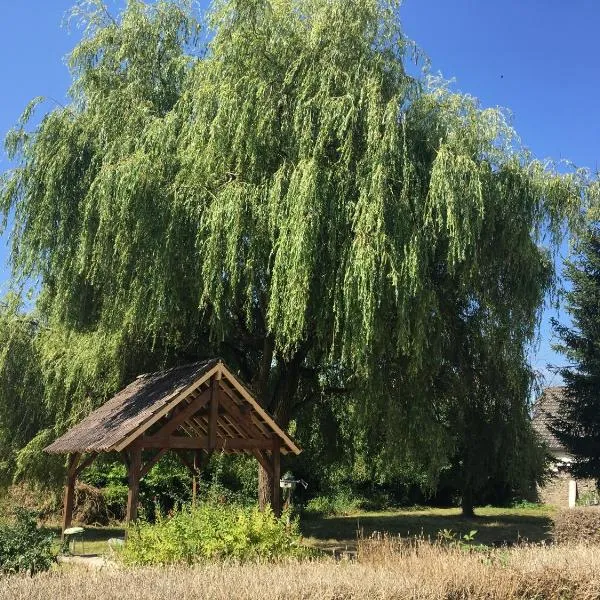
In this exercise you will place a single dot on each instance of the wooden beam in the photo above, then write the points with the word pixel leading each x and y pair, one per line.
pixel 185 413
pixel 213 414
pixel 69 492
pixel 259 409
pixel 276 462
pixel 135 464
pixel 196 476
pixel 181 442
pixel 245 409
pixel 183 458
pixel 264 462
pixel 86 463
pixel 148 466
pixel 166 409
pixel 239 417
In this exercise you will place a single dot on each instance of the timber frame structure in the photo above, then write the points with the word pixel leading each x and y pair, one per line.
pixel 192 410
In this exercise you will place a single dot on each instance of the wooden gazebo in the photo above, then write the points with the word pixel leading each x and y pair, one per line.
pixel 192 410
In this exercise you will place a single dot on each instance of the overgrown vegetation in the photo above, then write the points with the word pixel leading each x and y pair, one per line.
pixel 211 531
pixel 24 546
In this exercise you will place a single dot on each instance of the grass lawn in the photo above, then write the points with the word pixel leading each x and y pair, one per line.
pixel 495 526
pixel 94 539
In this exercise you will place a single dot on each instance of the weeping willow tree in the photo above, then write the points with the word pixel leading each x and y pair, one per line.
pixel 278 189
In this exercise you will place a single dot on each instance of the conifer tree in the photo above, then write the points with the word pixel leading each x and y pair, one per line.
pixel 577 425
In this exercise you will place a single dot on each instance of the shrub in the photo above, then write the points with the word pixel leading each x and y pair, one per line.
pixel 25 547
pixel 211 531
pixel 590 498
pixel 342 503
pixel 579 524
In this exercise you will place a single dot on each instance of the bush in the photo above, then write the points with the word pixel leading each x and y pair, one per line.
pixel 212 531
pixel 342 503
pixel 579 524
pixel 590 498
pixel 25 547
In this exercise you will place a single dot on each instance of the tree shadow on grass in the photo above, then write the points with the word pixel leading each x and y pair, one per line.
pixel 492 530
pixel 94 539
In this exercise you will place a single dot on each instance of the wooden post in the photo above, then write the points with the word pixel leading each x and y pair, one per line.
pixel 213 414
pixel 69 492
pixel 276 465
pixel 134 467
pixel 195 476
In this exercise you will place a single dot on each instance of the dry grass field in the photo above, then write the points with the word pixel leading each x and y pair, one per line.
pixel 385 569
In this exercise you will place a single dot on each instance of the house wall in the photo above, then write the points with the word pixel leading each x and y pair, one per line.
pixel 556 489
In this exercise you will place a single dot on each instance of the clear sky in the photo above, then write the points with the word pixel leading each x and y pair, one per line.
pixel 538 58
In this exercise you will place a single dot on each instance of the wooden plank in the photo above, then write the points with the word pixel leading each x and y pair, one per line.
pixel 199 426
pixel 166 409
pixel 86 463
pixel 264 462
pixel 72 463
pixel 213 414
pixel 184 414
pixel 244 408
pixel 185 461
pixel 260 410
pixel 276 462
pixel 135 464
pixel 148 466
pixel 196 476
pixel 239 418
pixel 182 442
pixel 228 428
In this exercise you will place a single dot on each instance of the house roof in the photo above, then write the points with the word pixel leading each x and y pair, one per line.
pixel 154 398
pixel 545 409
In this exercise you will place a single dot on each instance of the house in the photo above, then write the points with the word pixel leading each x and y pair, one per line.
pixel 561 489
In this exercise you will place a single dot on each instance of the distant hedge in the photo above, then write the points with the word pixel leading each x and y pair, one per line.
pixel 580 524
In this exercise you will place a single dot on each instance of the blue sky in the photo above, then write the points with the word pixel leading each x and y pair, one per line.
pixel 538 58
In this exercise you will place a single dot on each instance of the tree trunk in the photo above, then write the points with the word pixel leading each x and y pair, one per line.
pixel 265 487
pixel 285 390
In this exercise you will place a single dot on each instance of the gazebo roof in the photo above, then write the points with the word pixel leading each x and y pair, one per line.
pixel 181 395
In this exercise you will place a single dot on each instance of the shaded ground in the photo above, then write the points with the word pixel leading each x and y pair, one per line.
pixel 495 526
pixel 94 540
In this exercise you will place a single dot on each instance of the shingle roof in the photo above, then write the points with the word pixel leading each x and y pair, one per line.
pixel 134 409
pixel 544 410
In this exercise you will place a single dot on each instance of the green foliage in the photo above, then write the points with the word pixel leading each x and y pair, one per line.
pixel 25 547
pixel 212 531
pixel 589 498
pixel 288 196
pixel 22 414
pixel 341 503
pixel 577 425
